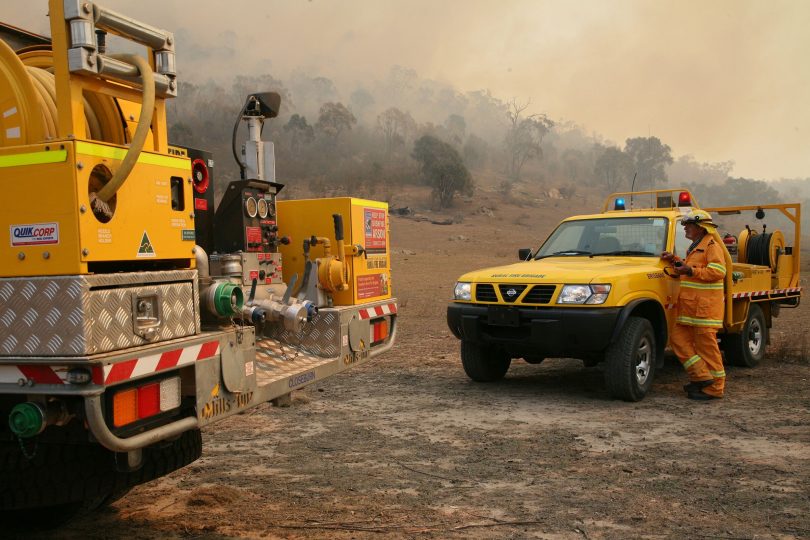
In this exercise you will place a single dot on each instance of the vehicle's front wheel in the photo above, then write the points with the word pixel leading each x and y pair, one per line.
pixel 483 363
pixel 630 361
pixel 747 348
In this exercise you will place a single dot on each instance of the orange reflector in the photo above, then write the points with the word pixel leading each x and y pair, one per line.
pixel 125 407
pixel 148 400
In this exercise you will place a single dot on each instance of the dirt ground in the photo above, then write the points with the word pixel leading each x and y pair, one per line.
pixel 407 447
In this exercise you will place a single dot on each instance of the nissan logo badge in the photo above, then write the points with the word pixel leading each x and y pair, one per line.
pixel 511 292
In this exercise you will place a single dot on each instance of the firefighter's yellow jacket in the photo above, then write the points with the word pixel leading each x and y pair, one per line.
pixel 700 301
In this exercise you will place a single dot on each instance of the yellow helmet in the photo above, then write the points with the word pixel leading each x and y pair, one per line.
pixel 701 218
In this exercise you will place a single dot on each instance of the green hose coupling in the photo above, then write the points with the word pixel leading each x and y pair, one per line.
pixel 26 420
pixel 228 299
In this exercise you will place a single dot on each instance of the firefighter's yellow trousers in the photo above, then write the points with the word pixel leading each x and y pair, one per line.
pixel 696 348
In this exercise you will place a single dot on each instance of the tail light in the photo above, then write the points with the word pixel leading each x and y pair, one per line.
pixel 145 401
pixel 379 331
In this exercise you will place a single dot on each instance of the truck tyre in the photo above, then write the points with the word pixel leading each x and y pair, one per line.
pixel 747 349
pixel 158 460
pixel 483 363
pixel 630 361
pixel 61 481
pixel 55 484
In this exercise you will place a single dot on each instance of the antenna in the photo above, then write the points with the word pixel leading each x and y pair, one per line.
pixel 632 188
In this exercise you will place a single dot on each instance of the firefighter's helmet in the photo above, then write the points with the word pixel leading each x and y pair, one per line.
pixel 701 218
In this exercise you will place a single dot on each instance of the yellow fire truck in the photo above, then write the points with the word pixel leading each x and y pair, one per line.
pixel 597 290
pixel 133 310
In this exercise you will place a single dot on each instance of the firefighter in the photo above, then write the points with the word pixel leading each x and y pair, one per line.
pixel 700 308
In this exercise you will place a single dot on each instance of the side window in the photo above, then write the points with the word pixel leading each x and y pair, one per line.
pixel 682 243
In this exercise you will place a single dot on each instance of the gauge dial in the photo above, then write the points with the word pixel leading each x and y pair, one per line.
pixel 263 208
pixel 251 207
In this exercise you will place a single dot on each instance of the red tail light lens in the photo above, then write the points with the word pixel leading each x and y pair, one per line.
pixel 148 400
pixel 379 331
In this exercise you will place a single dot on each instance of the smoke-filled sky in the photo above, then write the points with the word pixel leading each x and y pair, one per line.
pixel 720 80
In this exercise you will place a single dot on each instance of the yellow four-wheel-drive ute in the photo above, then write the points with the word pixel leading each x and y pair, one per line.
pixel 597 290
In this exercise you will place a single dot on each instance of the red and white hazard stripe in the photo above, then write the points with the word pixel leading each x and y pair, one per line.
pixel 38 374
pixel 153 363
pixel 112 373
pixel 752 294
pixel 378 311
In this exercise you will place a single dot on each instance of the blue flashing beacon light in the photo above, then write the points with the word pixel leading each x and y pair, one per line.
pixel 619 204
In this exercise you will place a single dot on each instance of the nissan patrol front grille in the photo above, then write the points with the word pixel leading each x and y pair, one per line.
pixel 540 294
pixel 510 293
pixel 484 292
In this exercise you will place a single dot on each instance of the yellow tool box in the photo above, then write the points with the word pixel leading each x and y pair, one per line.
pixel 366 232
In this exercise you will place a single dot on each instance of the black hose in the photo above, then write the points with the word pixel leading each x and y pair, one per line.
pixel 233 141
pixel 758 250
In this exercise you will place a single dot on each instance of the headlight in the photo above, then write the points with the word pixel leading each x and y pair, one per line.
pixel 463 291
pixel 583 294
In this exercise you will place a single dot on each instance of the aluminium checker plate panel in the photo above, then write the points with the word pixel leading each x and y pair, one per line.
pixel 320 337
pixel 89 314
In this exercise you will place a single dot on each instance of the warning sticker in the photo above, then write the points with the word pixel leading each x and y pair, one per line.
pixel 34 234
pixel 145 250
pixel 253 237
pixel 375 230
pixel 372 285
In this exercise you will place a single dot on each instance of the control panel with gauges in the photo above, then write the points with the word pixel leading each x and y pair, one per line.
pixel 246 218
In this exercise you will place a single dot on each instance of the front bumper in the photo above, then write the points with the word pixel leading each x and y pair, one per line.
pixel 548 332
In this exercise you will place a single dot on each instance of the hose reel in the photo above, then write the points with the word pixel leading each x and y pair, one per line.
pixel 761 249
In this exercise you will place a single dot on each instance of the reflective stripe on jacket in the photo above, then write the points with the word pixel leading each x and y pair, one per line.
pixel 701 298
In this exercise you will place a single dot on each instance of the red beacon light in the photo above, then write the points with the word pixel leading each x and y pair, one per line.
pixel 200 176
pixel 684 199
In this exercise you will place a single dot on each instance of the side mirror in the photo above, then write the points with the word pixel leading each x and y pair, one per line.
pixel 524 254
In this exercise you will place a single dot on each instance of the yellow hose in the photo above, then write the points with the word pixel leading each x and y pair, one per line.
pixel 144 122
pixel 728 281
pixel 47 101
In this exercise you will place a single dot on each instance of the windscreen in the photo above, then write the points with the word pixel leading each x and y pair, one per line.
pixel 625 236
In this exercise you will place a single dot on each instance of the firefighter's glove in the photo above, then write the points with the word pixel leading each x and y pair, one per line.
pixel 669 257
pixel 682 269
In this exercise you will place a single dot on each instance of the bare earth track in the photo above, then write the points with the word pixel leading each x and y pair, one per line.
pixel 408 447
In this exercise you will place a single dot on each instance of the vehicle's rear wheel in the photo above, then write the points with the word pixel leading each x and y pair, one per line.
pixel 62 480
pixel 630 361
pixel 483 363
pixel 747 348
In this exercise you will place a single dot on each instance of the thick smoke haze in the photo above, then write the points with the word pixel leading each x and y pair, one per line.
pixel 721 80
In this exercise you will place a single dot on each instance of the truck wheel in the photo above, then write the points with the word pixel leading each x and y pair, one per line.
pixel 164 457
pixel 61 481
pixel 54 485
pixel 747 349
pixel 483 363
pixel 630 361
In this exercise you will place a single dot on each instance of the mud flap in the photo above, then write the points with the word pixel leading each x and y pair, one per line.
pixel 238 361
